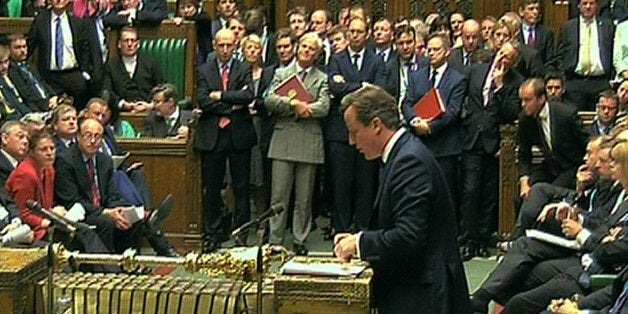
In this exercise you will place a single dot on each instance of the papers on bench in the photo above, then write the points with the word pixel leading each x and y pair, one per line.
pixel 553 239
pixel 4 213
pixel 76 213
pixel 133 214
pixel 321 269
pixel 118 160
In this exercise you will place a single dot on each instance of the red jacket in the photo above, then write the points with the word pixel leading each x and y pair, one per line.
pixel 27 182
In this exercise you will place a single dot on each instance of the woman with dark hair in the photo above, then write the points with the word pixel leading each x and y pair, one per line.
pixel 441 25
pixel 112 119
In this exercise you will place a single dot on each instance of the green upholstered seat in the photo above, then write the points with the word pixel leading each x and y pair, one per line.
pixel 599 281
pixel 170 55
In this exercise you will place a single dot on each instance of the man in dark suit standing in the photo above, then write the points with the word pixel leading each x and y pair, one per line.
pixel 225 130
pixel 409 243
pixel 321 22
pixel 64 52
pixel 37 94
pixel 461 57
pixel 557 130
pixel 354 177
pixel 131 76
pixel 383 33
pixel 536 35
pixel 398 71
pixel 136 12
pixel 167 120
pixel 491 100
pixel 585 55
pixel 439 135
pixel 614 10
pixel 255 23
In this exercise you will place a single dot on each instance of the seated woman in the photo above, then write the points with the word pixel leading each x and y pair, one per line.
pixel 33 179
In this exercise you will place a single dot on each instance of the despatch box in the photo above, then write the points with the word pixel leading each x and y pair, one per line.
pixel 308 294
pixel 20 269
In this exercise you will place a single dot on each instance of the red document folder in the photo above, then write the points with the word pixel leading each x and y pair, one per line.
pixel 294 88
pixel 430 107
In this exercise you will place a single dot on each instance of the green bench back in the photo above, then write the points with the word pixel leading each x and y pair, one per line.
pixel 170 55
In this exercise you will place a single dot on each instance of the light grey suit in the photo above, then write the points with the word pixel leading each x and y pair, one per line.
pixel 296 147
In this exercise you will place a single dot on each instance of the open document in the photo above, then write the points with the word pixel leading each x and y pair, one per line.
pixel 553 239
pixel 321 269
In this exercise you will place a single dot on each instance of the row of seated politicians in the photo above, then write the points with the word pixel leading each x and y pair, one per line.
pixel 63 161
pixel 479 92
pixel 536 274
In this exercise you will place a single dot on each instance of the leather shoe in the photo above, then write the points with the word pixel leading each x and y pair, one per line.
pixel 299 249
pixel 172 253
pixel 162 212
pixel 467 252
pixel 209 246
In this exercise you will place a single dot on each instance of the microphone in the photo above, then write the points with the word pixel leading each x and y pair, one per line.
pixel 54 218
pixel 273 210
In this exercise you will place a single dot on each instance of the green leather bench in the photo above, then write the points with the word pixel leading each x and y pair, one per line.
pixel 170 55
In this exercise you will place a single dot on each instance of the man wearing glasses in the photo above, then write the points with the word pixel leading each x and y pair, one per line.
pixel 607 109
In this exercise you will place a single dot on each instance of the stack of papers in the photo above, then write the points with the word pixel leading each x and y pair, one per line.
pixel 76 213
pixel 553 239
pixel 321 269
pixel 133 214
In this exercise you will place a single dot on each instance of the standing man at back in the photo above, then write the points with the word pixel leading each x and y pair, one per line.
pixel 354 177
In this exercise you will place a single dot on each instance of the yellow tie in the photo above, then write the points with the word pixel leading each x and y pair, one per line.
pixel 586 42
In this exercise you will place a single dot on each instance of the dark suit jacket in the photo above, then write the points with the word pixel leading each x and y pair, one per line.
pixel 393 77
pixel 479 124
pixel 544 45
pixel 72 183
pixel 444 140
pixel 146 76
pixel 604 299
pixel 39 39
pixel 271 58
pixel 60 146
pixel 530 64
pixel 29 93
pixel 568 136
pixel 410 244
pixel 373 71
pixel 203 34
pixel 268 118
pixel 594 129
pixel 153 12
pixel 619 11
pixel 239 93
pixel 216 26
pixel 156 125
pixel 569 46
pixel 456 60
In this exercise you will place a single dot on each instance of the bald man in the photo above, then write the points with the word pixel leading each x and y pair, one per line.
pixel 460 57
pixel 225 130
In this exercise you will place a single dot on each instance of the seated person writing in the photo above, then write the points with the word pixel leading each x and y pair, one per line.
pixel 167 120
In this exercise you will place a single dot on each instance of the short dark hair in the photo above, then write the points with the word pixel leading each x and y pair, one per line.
pixel 299 10
pixel 554 76
pixel 610 94
pixel 442 38
pixel 404 29
pixel 525 3
pixel 169 90
pixel 338 28
pixel 285 32
pixel 373 102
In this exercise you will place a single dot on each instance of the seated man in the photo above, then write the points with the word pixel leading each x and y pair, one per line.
pixel 12 106
pixel 136 12
pixel 35 92
pixel 607 109
pixel 167 120
pixel 85 176
pixel 64 125
pixel 131 76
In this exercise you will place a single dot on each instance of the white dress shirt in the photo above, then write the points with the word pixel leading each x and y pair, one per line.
pixel 69 59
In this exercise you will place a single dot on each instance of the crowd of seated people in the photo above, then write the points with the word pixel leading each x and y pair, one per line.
pixel 489 71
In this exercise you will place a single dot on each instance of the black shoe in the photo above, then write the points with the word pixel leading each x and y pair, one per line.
pixel 329 235
pixel 209 246
pixel 172 253
pixel 467 252
pixel 479 303
pixel 162 212
pixel 299 249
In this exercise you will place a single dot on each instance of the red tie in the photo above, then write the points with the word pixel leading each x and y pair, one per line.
pixel 92 183
pixel 531 42
pixel 224 76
